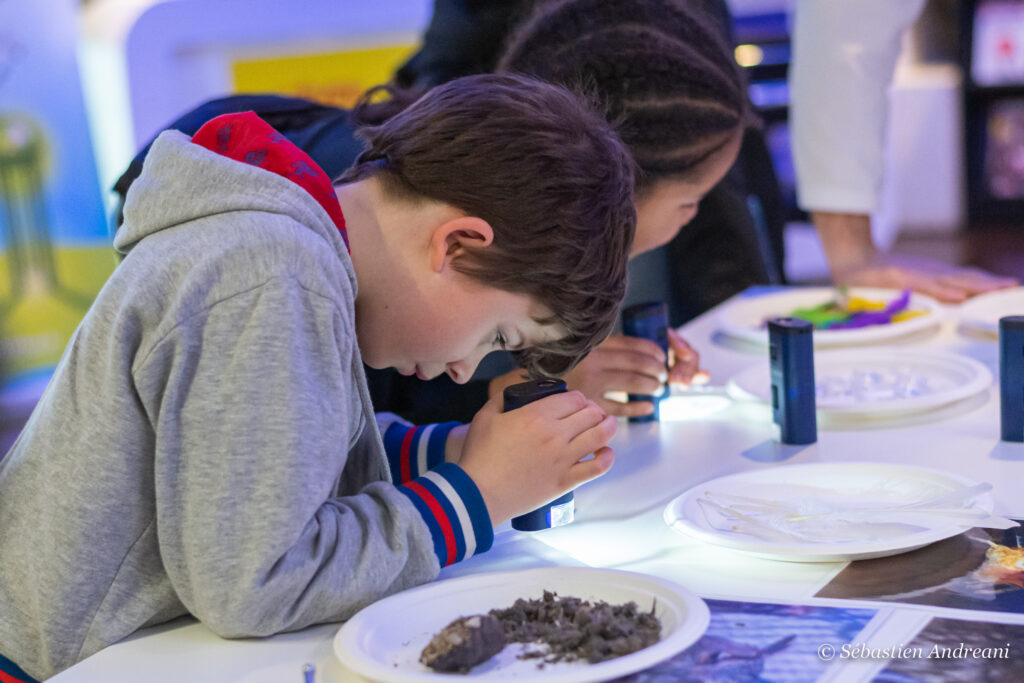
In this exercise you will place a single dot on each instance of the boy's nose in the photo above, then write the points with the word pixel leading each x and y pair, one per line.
pixel 461 370
pixel 458 372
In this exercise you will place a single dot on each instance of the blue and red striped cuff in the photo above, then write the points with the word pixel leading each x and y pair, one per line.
pixel 12 673
pixel 413 451
pixel 451 505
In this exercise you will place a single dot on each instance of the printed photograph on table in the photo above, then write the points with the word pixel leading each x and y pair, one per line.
pixel 980 569
pixel 760 642
pixel 952 651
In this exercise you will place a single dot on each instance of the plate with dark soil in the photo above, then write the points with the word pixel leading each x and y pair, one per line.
pixel 565 624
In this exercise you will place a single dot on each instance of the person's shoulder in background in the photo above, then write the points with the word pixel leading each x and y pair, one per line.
pixel 464 37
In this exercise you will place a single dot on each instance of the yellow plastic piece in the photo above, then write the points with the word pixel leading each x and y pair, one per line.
pixel 907 315
pixel 858 304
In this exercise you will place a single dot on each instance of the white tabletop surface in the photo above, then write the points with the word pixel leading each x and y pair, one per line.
pixel 619 516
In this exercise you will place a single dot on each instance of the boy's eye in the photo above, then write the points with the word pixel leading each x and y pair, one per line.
pixel 500 341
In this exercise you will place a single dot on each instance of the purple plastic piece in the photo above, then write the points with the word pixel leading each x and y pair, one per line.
pixel 899 303
pixel 869 318
pixel 863 319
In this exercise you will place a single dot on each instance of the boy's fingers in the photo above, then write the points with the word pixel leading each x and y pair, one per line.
pixel 592 439
pixel 579 422
pixel 496 403
pixel 613 407
pixel 584 471
pixel 559 406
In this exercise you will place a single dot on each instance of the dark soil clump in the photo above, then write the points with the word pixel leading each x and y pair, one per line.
pixel 575 629
pixel 463 644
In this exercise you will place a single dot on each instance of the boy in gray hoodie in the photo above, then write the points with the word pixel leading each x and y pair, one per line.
pixel 207 443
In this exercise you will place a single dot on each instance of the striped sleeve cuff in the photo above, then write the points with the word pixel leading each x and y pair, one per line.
pixel 454 511
pixel 12 673
pixel 413 451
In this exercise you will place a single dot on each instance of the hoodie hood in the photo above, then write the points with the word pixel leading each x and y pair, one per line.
pixel 235 162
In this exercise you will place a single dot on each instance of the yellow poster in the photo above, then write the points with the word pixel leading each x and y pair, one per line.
pixel 336 78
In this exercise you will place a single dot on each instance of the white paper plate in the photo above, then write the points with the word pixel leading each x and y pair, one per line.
pixel 744 317
pixel 383 642
pixel 861 484
pixel 878 382
pixel 982 313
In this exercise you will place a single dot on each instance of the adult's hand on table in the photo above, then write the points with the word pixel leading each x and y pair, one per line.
pixel 854 260
pixel 949 284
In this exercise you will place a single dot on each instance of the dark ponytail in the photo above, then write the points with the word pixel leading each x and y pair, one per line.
pixel 381 102
pixel 662 69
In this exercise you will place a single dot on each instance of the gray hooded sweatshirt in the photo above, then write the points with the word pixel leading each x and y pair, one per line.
pixel 207 443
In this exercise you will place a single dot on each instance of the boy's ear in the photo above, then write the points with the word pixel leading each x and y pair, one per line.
pixel 454 236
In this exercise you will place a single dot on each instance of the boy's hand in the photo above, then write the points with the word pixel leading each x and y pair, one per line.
pixel 455 443
pixel 529 456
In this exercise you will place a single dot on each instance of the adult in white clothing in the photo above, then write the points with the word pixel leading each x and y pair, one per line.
pixel 844 55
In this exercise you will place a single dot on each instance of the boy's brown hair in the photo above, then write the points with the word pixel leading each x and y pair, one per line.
pixel 546 171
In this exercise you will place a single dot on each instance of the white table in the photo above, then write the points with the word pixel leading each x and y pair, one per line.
pixel 619 518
